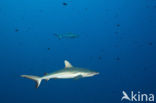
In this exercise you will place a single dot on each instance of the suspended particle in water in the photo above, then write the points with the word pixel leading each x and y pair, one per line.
pixel 64 3
pixel 86 9
pixel 48 49
pixel 117 58
pixel 150 43
pixel 145 68
pixel 41 11
pixel 118 25
pixel 16 30
pixel 100 57
pixel 116 32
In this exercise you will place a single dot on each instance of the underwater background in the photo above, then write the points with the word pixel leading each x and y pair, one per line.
pixel 115 37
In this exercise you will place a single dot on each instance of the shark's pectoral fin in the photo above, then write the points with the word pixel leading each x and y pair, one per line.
pixel 67 64
pixel 78 77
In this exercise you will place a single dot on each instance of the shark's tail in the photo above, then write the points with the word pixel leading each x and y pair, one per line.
pixel 59 36
pixel 35 78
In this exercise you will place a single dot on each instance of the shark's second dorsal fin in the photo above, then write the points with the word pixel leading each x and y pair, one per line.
pixel 67 64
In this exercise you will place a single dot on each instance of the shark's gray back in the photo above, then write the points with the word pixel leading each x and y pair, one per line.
pixel 73 69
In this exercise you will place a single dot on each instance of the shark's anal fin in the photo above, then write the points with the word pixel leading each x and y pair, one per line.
pixel 67 64
pixel 78 77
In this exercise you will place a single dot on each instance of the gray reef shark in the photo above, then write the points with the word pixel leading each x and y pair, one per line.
pixel 66 35
pixel 68 72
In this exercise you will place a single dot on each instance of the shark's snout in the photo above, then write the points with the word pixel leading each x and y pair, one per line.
pixel 93 73
pixel 96 73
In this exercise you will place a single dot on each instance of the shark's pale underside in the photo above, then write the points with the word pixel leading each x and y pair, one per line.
pixel 68 72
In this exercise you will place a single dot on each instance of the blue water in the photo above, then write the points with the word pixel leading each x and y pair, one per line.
pixel 116 38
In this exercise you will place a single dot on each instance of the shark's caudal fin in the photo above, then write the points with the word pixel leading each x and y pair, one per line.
pixel 35 78
pixel 59 36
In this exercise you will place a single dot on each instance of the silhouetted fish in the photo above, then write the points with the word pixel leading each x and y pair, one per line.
pixel 66 35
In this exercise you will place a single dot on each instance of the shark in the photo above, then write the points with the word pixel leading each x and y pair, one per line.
pixel 68 72
pixel 66 35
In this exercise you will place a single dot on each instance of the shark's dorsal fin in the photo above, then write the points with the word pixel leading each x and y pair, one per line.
pixel 67 64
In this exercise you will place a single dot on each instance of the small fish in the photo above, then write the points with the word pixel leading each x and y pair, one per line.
pixel 66 35
pixel 68 72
